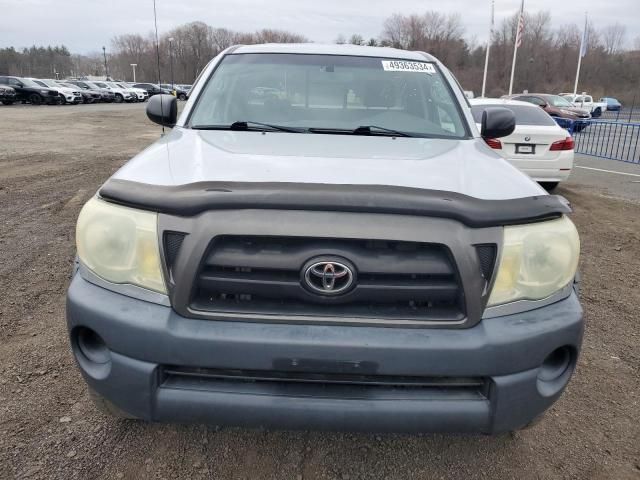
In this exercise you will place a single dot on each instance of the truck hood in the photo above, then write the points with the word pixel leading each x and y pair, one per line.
pixel 468 167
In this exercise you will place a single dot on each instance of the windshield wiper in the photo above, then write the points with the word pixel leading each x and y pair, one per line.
pixel 376 130
pixel 363 130
pixel 249 125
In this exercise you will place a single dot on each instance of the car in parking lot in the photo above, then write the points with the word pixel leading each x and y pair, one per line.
pixel 612 104
pixel 29 91
pixel 7 95
pixel 106 95
pixel 141 94
pixel 120 94
pixel 67 94
pixel 180 93
pixel 538 146
pixel 88 96
pixel 556 106
pixel 348 255
pixel 151 88
pixel 586 102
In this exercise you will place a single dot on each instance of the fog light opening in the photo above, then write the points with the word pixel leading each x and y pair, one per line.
pixel 555 371
pixel 92 353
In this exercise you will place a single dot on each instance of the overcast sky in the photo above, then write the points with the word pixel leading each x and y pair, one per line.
pixel 85 25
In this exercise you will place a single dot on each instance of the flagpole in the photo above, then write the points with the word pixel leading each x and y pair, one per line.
pixel 515 48
pixel 581 54
pixel 486 59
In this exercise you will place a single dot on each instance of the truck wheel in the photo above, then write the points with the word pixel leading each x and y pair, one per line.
pixel 597 112
pixel 119 98
pixel 35 99
pixel 108 408
pixel 549 186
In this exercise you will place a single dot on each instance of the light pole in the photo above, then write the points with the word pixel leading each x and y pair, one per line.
pixel 106 69
pixel 133 66
pixel 171 60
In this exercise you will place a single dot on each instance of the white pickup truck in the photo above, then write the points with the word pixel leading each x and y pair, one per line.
pixel 586 102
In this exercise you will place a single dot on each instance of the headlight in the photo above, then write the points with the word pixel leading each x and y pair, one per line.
pixel 120 244
pixel 537 260
pixel 44 92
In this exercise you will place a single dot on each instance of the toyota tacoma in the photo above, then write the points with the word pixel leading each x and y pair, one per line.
pixel 324 240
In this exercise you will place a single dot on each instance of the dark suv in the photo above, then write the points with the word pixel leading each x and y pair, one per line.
pixel 556 106
pixel 29 91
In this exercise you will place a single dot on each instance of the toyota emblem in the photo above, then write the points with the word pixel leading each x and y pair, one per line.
pixel 328 277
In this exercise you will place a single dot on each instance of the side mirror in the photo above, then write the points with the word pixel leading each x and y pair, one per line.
pixel 163 110
pixel 497 122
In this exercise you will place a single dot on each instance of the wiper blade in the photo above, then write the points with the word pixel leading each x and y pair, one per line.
pixel 376 130
pixel 247 125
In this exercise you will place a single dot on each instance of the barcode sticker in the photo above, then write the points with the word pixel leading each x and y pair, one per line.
pixel 404 66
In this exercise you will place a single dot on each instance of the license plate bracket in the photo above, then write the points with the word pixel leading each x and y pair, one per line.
pixel 525 149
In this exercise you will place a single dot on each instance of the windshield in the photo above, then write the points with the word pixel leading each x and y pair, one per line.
pixel 329 94
pixel 41 83
pixel 558 101
pixel 525 115
pixel 29 83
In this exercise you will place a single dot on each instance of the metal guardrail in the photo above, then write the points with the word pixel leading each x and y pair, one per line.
pixel 629 115
pixel 614 140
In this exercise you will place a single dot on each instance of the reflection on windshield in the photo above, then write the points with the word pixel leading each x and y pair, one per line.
pixel 330 93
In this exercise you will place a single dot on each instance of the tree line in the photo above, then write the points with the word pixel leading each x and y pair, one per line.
pixel 547 59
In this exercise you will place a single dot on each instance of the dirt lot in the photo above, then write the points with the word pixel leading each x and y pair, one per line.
pixel 53 158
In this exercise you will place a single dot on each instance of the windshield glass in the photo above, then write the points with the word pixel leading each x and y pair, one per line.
pixel 558 101
pixel 329 92
pixel 525 115
pixel 29 83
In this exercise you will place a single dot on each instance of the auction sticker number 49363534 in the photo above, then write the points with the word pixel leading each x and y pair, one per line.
pixel 404 66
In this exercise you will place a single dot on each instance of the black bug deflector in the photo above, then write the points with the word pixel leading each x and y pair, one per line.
pixel 195 198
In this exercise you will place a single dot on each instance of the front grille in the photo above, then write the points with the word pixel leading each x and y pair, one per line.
pixel 326 384
pixel 395 280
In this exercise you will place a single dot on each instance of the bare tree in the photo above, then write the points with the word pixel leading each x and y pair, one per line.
pixel 613 37
pixel 356 39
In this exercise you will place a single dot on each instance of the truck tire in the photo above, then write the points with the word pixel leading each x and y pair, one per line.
pixel 119 98
pixel 597 112
pixel 108 408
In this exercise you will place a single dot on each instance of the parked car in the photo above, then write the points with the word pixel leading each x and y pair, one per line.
pixel 88 96
pixel 120 94
pixel 538 146
pixel 612 104
pixel 351 256
pixel 29 91
pixel 141 94
pixel 67 95
pixel 7 95
pixel 180 92
pixel 106 95
pixel 557 106
pixel 151 88
pixel 586 102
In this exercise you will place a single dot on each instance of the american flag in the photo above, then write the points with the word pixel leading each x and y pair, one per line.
pixel 520 32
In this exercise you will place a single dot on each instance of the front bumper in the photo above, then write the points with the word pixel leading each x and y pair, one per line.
pixel 145 342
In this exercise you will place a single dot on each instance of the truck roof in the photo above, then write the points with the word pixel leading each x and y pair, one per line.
pixel 334 49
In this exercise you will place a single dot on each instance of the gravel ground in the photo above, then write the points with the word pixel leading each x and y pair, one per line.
pixel 52 159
